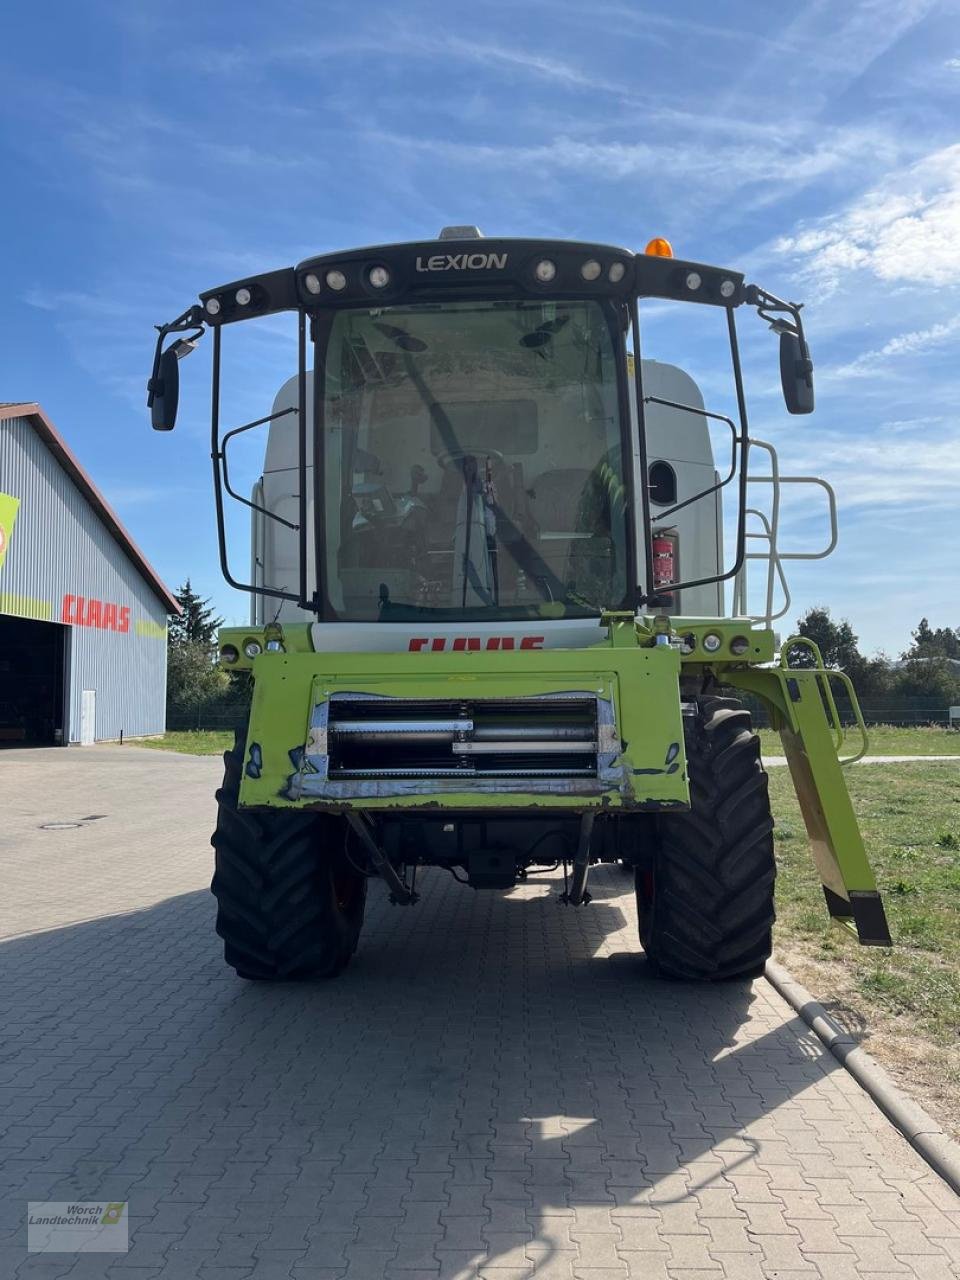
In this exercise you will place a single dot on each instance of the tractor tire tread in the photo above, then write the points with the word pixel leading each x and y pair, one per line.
pixel 274 882
pixel 712 910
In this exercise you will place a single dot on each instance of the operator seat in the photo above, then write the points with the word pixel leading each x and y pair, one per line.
pixel 573 508
pixel 556 498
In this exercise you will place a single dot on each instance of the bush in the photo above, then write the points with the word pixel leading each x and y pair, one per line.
pixel 191 676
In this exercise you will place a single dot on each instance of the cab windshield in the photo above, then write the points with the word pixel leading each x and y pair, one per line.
pixel 472 462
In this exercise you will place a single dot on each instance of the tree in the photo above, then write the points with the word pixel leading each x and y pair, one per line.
pixel 838 643
pixel 932 679
pixel 191 676
pixel 197 624
pixel 929 642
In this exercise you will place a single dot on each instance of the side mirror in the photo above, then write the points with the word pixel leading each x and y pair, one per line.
pixel 164 390
pixel 796 372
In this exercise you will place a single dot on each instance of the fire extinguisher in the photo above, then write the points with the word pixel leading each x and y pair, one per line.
pixel 666 565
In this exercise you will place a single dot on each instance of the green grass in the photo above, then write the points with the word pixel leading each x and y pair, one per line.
pixel 910 820
pixel 887 740
pixel 194 742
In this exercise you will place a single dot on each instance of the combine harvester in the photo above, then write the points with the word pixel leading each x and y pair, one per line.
pixel 488 629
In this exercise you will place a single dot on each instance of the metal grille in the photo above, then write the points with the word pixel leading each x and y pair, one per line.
pixel 519 738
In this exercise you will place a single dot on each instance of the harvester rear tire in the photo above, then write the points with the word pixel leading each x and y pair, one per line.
pixel 705 905
pixel 289 904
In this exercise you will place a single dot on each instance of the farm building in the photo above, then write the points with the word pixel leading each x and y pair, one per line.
pixel 83 616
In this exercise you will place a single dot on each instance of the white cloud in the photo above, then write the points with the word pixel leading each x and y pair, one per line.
pixel 771 160
pixel 920 338
pixel 903 344
pixel 952 64
pixel 916 471
pixel 839 44
pixel 905 229
pixel 517 59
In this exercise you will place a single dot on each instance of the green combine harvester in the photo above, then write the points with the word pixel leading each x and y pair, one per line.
pixel 488 630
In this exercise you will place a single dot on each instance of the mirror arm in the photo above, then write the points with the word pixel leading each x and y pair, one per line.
pixel 192 318
pixel 768 303
pixel 796 367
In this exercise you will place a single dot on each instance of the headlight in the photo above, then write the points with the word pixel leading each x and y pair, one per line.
pixel 336 280
pixel 312 283
pixel 545 271
pixel 379 277
pixel 212 306
pixel 275 646
pixel 243 297
pixel 739 644
pixel 252 648
pixel 727 288
pixel 712 642
pixel 591 269
pixel 229 653
pixel 693 280
pixel 616 273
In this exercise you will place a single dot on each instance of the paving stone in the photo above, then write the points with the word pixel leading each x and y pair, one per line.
pixel 490 1091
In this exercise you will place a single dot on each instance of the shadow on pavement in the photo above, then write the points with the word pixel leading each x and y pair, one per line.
pixel 489 1070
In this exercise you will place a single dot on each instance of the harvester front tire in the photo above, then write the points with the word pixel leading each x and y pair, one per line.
pixel 706 906
pixel 289 904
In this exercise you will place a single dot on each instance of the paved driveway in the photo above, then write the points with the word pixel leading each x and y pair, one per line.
pixel 495 1088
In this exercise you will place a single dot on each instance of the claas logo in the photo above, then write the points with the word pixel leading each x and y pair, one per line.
pixel 83 611
pixel 472 644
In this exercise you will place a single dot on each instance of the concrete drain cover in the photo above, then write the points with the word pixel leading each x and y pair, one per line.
pixel 58 826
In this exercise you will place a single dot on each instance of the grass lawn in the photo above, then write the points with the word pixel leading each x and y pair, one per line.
pixel 887 740
pixel 195 742
pixel 905 1001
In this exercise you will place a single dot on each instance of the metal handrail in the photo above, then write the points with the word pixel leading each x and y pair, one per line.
pixel 824 675
pixel 773 559
pixel 771 532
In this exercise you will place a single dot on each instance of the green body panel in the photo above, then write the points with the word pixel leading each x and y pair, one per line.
pixel 634 674
pixel 639 686
pixel 797 705
pixel 623 630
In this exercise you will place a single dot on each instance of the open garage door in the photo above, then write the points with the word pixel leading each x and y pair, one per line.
pixel 31 682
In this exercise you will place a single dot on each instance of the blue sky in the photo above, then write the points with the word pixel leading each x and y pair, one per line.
pixel 153 151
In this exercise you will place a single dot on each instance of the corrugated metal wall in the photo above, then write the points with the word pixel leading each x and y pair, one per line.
pixel 60 549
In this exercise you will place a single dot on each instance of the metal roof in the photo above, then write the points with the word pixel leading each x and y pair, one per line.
pixel 63 454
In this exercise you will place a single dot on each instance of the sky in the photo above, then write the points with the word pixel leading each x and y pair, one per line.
pixel 153 151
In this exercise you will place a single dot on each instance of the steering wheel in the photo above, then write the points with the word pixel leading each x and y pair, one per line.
pixel 454 457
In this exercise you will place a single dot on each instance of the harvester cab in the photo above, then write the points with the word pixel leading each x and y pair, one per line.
pixel 487 575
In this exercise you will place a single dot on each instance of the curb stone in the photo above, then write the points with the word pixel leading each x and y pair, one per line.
pixel 923 1133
